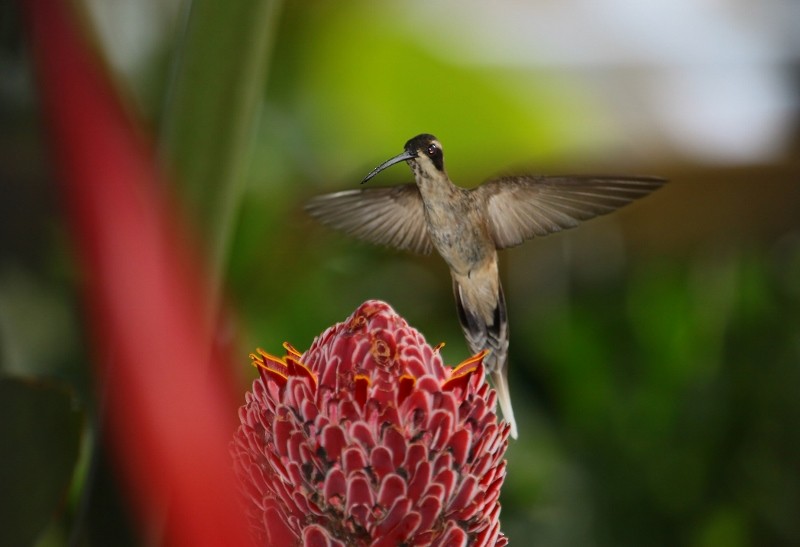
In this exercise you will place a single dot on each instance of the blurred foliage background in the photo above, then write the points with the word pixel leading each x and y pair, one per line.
pixel 655 354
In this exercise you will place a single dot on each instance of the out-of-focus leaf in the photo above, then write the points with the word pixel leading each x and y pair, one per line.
pixel 212 108
pixel 40 430
pixel 681 406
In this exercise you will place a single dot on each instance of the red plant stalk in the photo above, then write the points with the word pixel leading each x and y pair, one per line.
pixel 170 410
pixel 368 440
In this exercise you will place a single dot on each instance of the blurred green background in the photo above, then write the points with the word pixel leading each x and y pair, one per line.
pixel 655 353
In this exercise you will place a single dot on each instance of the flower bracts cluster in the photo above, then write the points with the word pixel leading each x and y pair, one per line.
pixel 368 439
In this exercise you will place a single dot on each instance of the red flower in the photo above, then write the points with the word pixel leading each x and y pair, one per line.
pixel 368 439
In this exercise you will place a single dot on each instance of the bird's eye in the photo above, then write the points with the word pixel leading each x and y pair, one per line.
pixel 432 149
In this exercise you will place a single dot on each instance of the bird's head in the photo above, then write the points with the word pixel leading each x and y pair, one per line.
pixel 423 154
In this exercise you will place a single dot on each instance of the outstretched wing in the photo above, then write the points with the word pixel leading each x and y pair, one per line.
pixel 519 208
pixel 391 216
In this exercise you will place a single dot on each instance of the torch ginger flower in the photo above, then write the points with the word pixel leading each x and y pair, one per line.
pixel 368 439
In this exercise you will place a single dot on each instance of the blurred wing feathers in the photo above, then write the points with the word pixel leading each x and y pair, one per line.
pixel 523 207
pixel 391 216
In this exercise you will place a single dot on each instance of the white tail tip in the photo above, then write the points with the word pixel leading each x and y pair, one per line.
pixel 504 400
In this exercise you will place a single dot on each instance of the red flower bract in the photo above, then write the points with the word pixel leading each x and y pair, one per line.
pixel 368 439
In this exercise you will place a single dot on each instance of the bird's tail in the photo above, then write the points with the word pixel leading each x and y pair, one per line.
pixel 500 380
pixel 488 330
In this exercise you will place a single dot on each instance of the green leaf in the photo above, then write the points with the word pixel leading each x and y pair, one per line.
pixel 211 110
pixel 40 430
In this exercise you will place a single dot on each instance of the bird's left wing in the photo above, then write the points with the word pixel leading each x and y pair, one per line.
pixel 391 216
pixel 519 208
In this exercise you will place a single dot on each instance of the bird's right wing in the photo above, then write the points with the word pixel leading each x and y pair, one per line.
pixel 392 216
pixel 520 208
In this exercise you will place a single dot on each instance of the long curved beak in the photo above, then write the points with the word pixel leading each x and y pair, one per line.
pixel 388 163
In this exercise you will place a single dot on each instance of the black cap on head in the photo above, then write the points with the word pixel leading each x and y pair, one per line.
pixel 421 144
pixel 428 145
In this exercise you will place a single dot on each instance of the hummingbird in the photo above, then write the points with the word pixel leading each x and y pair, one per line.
pixel 468 226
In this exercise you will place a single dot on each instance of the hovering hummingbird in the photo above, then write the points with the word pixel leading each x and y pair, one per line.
pixel 468 226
